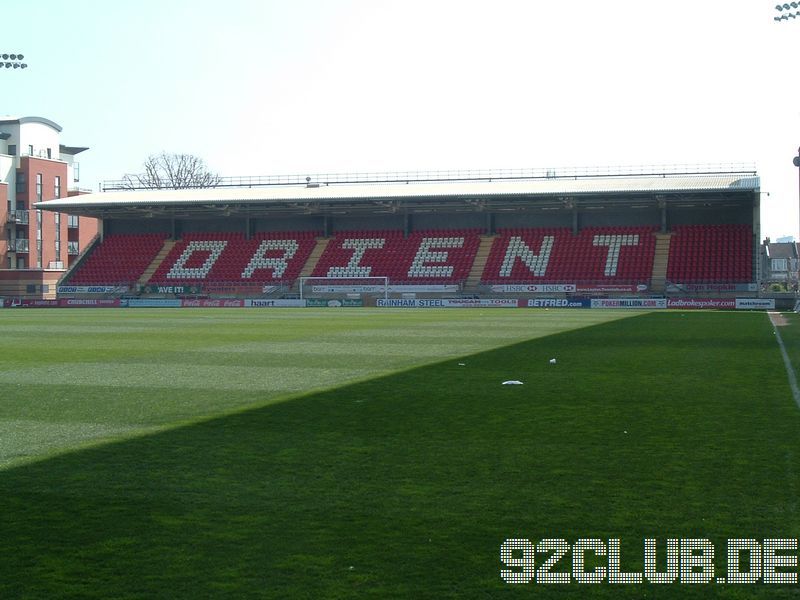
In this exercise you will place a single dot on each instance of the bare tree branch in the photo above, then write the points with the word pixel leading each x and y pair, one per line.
pixel 172 171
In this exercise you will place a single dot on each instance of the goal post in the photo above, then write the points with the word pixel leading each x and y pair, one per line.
pixel 342 286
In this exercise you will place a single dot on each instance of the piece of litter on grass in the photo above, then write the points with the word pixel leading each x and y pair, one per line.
pixel 462 364
pixel 626 431
pixel 512 382
pixel 552 361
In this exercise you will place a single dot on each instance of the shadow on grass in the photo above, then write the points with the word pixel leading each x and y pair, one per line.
pixel 405 486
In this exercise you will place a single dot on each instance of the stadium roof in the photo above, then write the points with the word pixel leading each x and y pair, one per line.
pixel 411 196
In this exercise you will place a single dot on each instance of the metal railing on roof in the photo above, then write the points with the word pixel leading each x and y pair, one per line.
pixel 322 179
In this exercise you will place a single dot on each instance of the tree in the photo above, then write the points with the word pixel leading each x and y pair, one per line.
pixel 172 171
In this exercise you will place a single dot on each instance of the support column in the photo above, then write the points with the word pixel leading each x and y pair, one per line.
pixel 661 202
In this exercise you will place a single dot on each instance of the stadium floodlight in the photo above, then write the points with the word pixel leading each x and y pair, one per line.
pixel 787 6
pixel 12 60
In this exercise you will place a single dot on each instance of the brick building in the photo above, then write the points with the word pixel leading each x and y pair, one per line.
pixel 37 246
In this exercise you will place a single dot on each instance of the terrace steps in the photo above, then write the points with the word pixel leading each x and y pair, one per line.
pixel 313 259
pixel 159 258
pixel 476 272
pixel 660 259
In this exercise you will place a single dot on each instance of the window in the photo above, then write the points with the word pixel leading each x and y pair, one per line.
pixel 12 150
pixel 22 183
pixel 30 149
pixel 58 186
pixel 779 264
pixel 76 171
pixel 38 187
pixel 72 221
pixel 49 153
pixel 58 248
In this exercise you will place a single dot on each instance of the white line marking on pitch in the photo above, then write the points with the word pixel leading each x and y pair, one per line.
pixel 778 320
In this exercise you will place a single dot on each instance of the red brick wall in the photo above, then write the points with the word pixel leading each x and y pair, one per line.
pixel 49 169
pixel 87 229
pixel 15 283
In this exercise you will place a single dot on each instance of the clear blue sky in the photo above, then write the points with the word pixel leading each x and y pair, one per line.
pixel 260 87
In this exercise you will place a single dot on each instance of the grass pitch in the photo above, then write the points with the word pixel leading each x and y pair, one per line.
pixel 339 453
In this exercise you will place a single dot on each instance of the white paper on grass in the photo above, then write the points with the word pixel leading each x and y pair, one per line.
pixel 512 382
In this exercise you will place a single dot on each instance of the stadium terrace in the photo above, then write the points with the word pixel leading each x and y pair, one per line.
pixel 446 234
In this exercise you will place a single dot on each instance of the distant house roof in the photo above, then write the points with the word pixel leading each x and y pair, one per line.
pixel 782 250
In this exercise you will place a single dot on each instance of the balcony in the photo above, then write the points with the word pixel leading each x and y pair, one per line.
pixel 20 217
pixel 19 245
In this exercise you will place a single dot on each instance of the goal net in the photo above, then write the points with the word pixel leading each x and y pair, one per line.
pixel 344 287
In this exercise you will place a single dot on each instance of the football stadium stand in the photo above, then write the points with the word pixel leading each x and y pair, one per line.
pixel 651 232
pixel 612 255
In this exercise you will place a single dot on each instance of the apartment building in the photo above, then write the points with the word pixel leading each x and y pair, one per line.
pixel 36 247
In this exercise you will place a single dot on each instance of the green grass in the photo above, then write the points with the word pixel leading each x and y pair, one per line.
pixel 71 377
pixel 340 454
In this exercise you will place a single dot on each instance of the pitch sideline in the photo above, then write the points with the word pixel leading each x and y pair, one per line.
pixel 778 320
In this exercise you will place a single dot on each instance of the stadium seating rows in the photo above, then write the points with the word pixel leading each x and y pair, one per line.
pixel 704 253
pixel 119 260
pixel 618 255
pixel 440 256
pixel 614 255
pixel 229 257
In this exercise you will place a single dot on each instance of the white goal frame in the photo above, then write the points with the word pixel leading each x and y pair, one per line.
pixel 351 282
